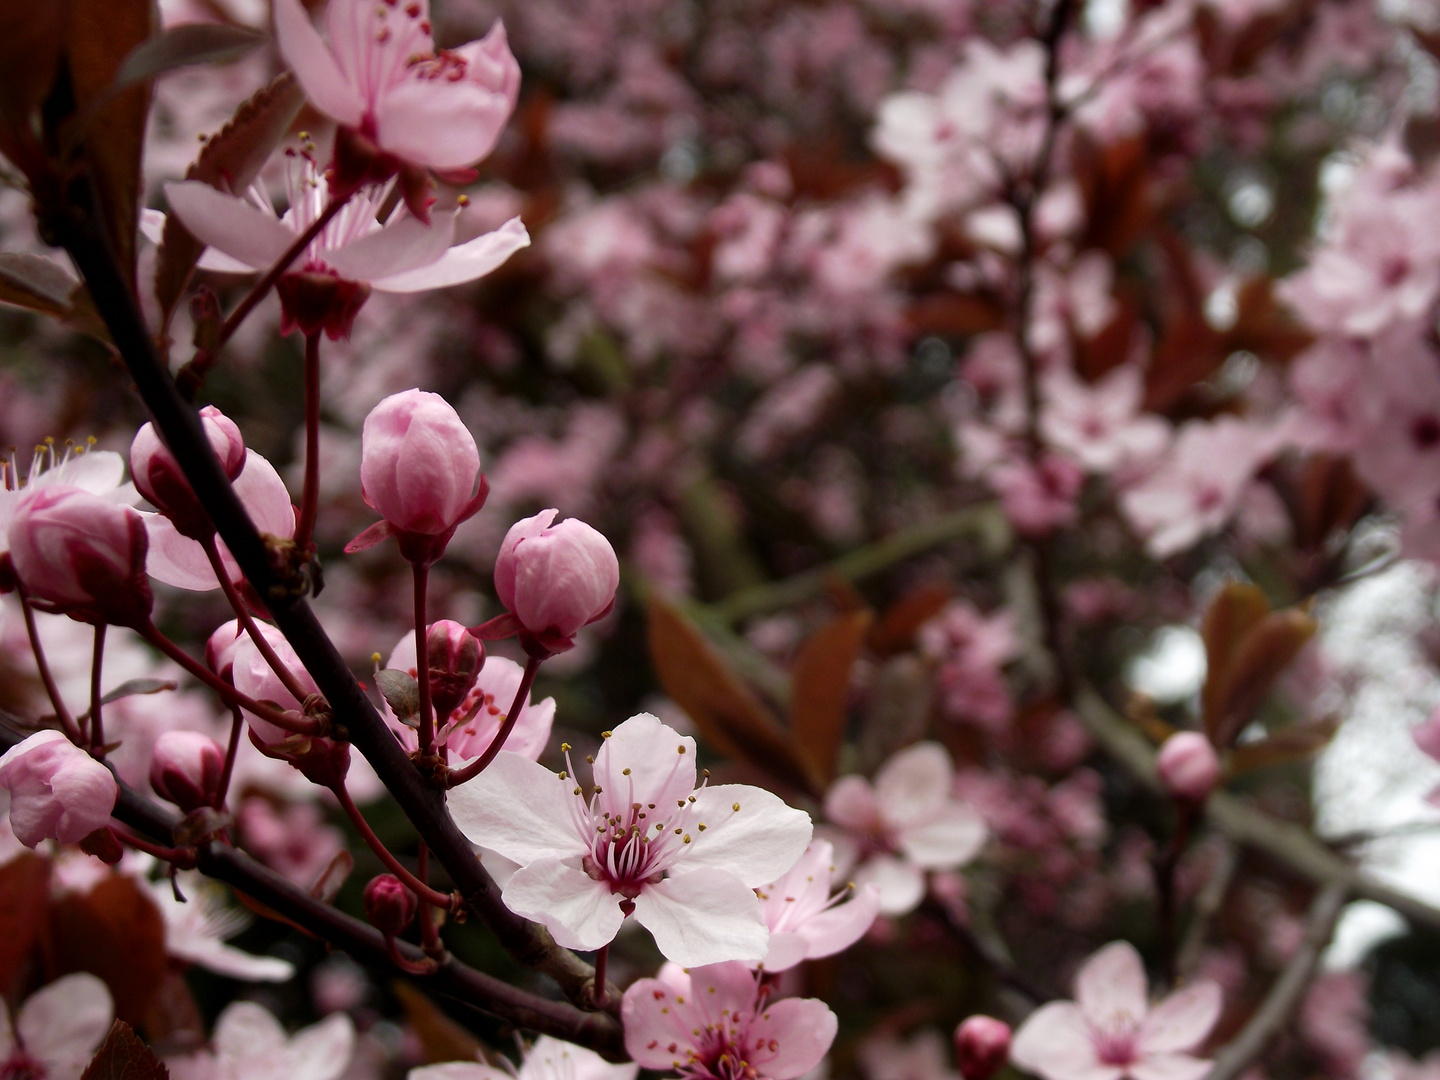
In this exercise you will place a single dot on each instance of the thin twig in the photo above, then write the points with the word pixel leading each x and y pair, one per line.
pixel 310 497
pixel 1207 905
pixel 97 726
pixel 67 722
pixel 1289 989
pixel 476 767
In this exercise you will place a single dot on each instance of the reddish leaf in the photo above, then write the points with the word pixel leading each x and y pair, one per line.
pixel 39 284
pixel 1262 655
pixel 1235 610
pixel 1297 742
pixel 726 712
pixel 122 1056
pixel 116 932
pixel 31 37
pixel 24 887
pixel 895 631
pixel 441 1038
pixel 820 691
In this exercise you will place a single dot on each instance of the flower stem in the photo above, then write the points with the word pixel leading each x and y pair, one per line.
pixel 601 956
pixel 232 750
pixel 429 933
pixel 476 767
pixel 426 736
pixel 394 865
pixel 97 729
pixel 231 696
pixel 310 499
pixel 72 729
pixel 263 286
pixel 285 675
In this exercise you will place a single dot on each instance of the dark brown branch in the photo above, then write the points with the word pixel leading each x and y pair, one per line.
pixel 355 715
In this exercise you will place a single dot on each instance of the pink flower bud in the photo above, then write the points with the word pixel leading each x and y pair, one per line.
pixel 255 678
pixel 185 768
pixel 389 905
pixel 57 791
pixel 982 1046
pixel 555 578
pixel 418 468
pixel 82 556
pixel 220 649
pixel 456 657
pixel 1188 766
pixel 159 478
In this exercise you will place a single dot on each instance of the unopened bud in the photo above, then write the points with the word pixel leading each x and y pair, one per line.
pixel 982 1046
pixel 389 905
pixel 455 659
pixel 1188 766
pixel 185 768
pixel 555 579
pixel 160 479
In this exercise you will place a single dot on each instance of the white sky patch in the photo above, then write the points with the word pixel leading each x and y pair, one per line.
pixel 1172 669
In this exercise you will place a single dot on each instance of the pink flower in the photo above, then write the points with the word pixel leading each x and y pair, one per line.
pixel 185 768
pixel 159 478
pixel 256 679
pixel 389 904
pixel 547 1059
pixel 684 861
pixel 1110 1031
pixel 419 468
pixel 250 1044
pixel 57 1029
pixel 82 555
pixel 1038 499
pixel 982 1046
pixel 805 921
pixel 382 77
pixel 1188 766
pixel 972 650
pixel 716 1022
pixel 100 472
pixel 57 791
pixel 556 578
pixel 1101 425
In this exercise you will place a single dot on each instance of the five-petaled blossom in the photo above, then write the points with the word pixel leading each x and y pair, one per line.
pixel 57 790
pixel 56 1030
pixel 805 921
pixel 1110 1031
pixel 717 1023
pixel 906 823
pixel 684 861
pixel 547 1059
pixel 250 1044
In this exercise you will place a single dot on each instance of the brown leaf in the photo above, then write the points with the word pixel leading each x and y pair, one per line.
pixel 31 37
pixel 230 161
pixel 24 889
pixel 116 932
pixel 954 313
pixel 1327 496
pixel 726 712
pixel 1262 655
pixel 1237 607
pixel 101 35
pixel 327 885
pixel 895 631
pixel 820 691
pixel 122 1056
pixel 441 1038
pixel 1294 743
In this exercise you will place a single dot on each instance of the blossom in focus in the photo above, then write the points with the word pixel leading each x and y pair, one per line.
pixel 467 736
pixel 547 1059
pixel 684 860
pixel 250 1044
pixel 904 824
pixel 57 791
pixel 805 921
pixel 100 472
pixel 159 478
pixel 381 76
pixel 1110 1030
pixel 57 1029
pixel 556 578
pixel 82 555
pixel 717 1022
pixel 420 470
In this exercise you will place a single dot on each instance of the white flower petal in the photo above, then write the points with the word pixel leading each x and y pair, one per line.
pixel 232 225
pixel 579 912
pixel 520 809
pixel 901 884
pixel 757 843
pixel 1055 1041
pixel 913 786
pixel 322 1051
pixel 314 65
pixel 396 248
pixel 60 1025
pixel 703 917
pixel 464 262
pixel 647 758
pixel 1183 1019
pixel 951 839
pixel 1112 985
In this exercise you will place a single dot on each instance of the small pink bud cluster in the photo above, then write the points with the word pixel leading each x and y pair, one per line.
pixel 419 468
pixel 1188 766
pixel 455 659
pixel 982 1046
pixel 159 478
pixel 185 768
pixel 389 905
pixel 554 579
pixel 57 791
pixel 80 555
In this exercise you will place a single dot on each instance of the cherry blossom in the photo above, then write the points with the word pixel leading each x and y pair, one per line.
pixel 195 931
pixel 805 921
pixel 555 579
pixel 1101 425
pixel 1110 1031
pixel 547 1059
pixel 56 1030
pixel 1188 766
pixel 684 860
pixel 56 790
pixel 907 822
pixel 717 1023
pixel 250 1044
pixel 100 472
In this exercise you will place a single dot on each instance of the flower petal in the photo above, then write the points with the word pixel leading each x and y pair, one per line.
pixel 787 948
pixel 520 809
pixel 398 247
pixel 232 225
pixel 645 759
pixel 246 1029
pixel 836 929
pixel 703 917
pixel 1111 985
pixel 901 884
pixel 550 1057
pixel 579 912
pixel 464 262
pixel 949 840
pixel 1055 1041
pixel 850 802
pixel 440 124
pixel 1170 1067
pixel 1183 1019
pixel 60 1025
pixel 457 1070
pixel 800 1029
pixel 657 1025
pixel 322 1051
pixel 757 842
pixel 913 786
pixel 314 65
pixel 174 559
